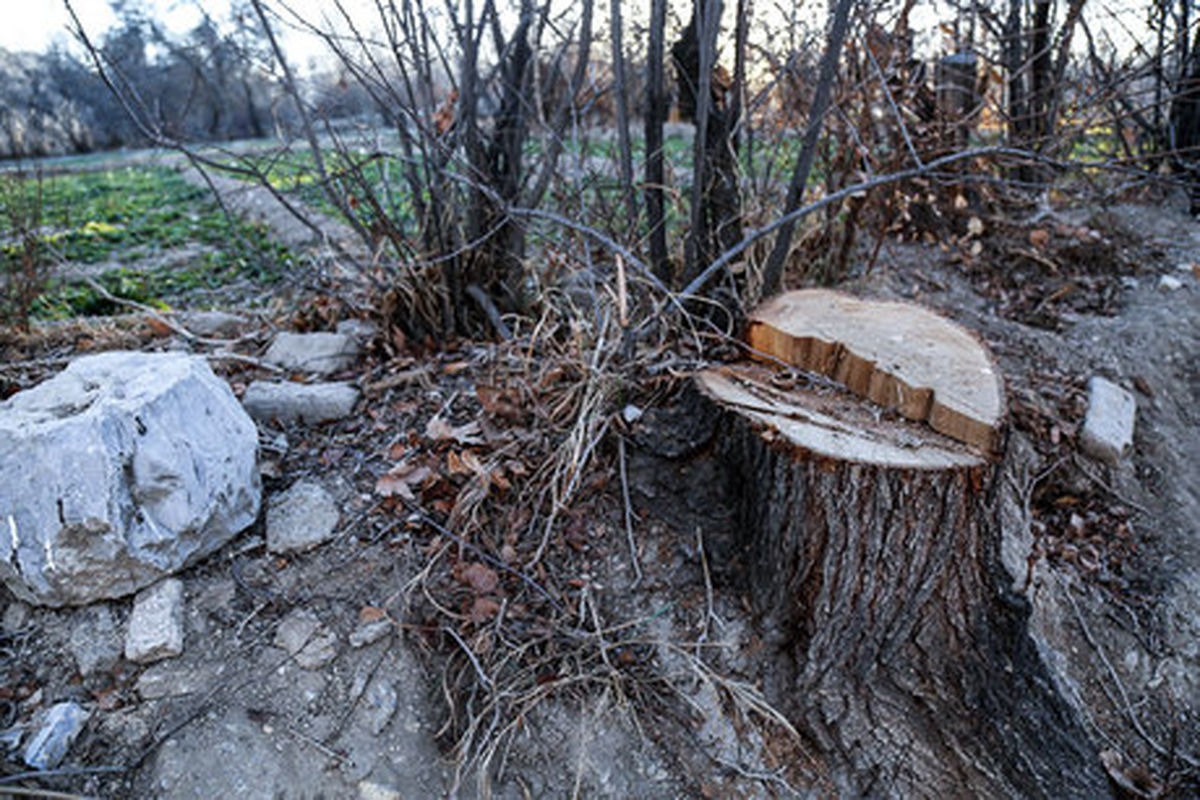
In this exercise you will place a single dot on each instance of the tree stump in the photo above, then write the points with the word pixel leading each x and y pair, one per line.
pixel 874 552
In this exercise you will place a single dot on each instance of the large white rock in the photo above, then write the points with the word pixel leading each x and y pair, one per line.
pixel 122 469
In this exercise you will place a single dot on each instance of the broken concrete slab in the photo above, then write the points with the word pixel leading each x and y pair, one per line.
pixel 1108 427
pixel 290 402
pixel 301 518
pixel 155 627
pixel 122 469
pixel 321 352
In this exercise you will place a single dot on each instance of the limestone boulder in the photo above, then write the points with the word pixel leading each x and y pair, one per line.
pixel 120 470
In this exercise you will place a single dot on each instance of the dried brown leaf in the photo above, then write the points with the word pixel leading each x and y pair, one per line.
pixel 484 609
pixel 481 578
pixel 401 480
pixel 368 614
pixel 440 430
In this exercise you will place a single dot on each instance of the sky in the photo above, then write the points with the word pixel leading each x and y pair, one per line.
pixel 35 24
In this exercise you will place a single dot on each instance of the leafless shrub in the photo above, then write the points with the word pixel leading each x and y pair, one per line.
pixel 25 262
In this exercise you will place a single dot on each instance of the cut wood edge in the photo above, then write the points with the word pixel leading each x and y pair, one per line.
pixel 900 355
pixel 831 425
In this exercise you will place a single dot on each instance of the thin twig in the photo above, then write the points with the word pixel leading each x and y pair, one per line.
pixel 23 791
pixel 63 772
pixel 633 553
pixel 495 562
pixel 1116 679
pixel 483 676
pixel 99 289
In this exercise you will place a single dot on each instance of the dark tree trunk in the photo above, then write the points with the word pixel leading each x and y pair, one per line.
pixel 495 267
pixel 655 116
pixel 1041 74
pixel 1185 128
pixel 716 201
pixel 874 549
pixel 622 103
pixel 902 654
pixel 1018 120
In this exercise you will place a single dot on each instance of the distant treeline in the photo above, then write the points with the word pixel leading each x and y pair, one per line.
pixel 214 83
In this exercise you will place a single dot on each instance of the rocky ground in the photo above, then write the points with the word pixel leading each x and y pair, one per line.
pixel 362 640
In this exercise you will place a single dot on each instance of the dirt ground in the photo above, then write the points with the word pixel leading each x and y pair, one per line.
pixel 625 662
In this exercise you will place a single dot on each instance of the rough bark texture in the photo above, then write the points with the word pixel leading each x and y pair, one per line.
pixel 901 652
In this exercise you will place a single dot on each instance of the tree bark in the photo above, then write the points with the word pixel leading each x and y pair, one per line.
pixel 874 546
pixel 655 116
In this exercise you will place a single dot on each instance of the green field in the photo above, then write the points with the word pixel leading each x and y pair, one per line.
pixel 128 223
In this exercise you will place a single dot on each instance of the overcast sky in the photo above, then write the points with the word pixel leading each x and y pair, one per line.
pixel 35 24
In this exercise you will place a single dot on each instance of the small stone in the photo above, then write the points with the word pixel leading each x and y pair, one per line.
pixel 55 733
pixel 16 617
pixel 1169 283
pixel 322 353
pixel 631 414
pixel 1108 427
pixel 373 791
pixel 156 625
pixel 214 323
pixel 301 518
pixel 288 402
pixel 378 705
pixel 369 633
pixel 10 739
pixel 360 329
pixel 302 635
pixel 95 640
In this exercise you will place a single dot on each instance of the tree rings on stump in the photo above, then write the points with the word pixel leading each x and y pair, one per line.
pixel 898 355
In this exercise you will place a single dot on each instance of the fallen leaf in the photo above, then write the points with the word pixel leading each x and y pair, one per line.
pixel 400 480
pixel 464 463
pixel 499 403
pixel 481 578
pixel 484 609
pixel 440 430
pixel 1039 238
pixel 368 614
pixel 158 327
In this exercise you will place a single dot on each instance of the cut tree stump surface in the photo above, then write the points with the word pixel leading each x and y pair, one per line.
pixel 899 355
pixel 831 423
